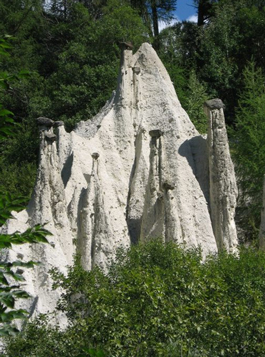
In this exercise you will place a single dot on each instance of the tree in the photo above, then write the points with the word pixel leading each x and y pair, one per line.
pixel 196 96
pixel 73 65
pixel 62 8
pixel 178 53
pixel 88 64
pixel 15 15
pixel 153 11
pixel 249 147
pixel 228 40
pixel 161 11
pixel 205 9
pixel 178 45
pixel 218 46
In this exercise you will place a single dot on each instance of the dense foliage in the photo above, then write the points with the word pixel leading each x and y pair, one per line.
pixel 157 300
pixel 72 63
pixel 11 275
pixel 249 145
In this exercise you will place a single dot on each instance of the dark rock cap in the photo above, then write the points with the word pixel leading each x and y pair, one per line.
pixel 95 155
pixel 155 133
pixel 126 45
pixel 58 123
pixel 168 185
pixel 136 70
pixel 43 121
pixel 50 137
pixel 214 104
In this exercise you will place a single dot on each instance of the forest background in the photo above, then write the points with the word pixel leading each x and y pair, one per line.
pixel 61 61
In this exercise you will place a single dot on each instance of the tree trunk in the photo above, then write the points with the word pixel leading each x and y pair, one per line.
pixel 201 13
pixel 204 10
pixel 155 24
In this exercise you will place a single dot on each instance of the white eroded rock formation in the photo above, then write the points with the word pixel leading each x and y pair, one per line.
pixel 222 183
pixel 137 170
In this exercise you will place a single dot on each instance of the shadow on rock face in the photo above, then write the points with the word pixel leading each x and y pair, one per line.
pixel 195 151
pixel 67 169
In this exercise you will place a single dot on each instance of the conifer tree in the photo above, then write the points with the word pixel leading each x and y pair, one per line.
pixel 154 11
pixel 249 144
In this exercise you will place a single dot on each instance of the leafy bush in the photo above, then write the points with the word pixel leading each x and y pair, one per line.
pixel 10 273
pixel 157 300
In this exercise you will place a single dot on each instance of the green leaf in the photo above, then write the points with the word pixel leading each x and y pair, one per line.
pixel 23 73
pixel 7 299
pixel 13 314
pixel 21 294
pixel 5 112
pixel 29 264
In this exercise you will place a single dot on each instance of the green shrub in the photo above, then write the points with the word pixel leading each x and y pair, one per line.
pixel 157 300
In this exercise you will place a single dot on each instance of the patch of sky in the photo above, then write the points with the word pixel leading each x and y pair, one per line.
pixel 185 11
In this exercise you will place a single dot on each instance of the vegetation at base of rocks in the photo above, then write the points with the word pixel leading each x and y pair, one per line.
pixel 11 273
pixel 156 300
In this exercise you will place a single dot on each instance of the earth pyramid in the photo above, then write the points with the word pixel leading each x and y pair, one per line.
pixel 139 169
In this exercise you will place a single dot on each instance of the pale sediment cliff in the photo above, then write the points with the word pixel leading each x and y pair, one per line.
pixel 137 170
